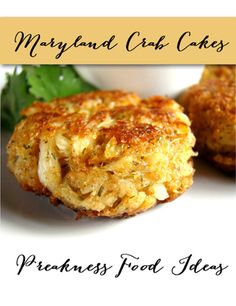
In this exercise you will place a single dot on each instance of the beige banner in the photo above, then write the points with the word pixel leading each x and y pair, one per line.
pixel 137 40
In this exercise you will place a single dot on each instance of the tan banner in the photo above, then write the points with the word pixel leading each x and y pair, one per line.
pixel 120 40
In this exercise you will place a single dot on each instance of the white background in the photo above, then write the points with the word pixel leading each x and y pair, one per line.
pixel 118 8
pixel 201 222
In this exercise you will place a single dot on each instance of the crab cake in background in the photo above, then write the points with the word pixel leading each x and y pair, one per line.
pixel 106 153
pixel 210 106
pixel 226 73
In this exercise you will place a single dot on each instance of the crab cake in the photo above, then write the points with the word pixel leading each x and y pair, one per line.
pixel 211 108
pixel 226 73
pixel 106 153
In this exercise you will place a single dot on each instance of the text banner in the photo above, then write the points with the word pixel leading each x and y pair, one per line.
pixel 129 40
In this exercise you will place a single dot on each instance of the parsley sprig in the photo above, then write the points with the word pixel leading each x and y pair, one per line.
pixel 42 82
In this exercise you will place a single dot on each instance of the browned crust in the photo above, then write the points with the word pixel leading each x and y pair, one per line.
pixel 138 124
pixel 128 128
pixel 224 162
pixel 225 73
pixel 60 105
pixel 210 106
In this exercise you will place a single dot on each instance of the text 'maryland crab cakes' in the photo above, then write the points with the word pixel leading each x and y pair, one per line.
pixel 106 153
pixel 211 106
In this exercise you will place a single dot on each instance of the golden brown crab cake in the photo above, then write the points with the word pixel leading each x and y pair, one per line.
pixel 211 108
pixel 86 103
pixel 226 73
pixel 24 143
pixel 116 158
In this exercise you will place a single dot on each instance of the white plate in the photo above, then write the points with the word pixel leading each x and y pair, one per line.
pixel 200 222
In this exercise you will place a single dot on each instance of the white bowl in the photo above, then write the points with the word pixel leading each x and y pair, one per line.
pixel 167 80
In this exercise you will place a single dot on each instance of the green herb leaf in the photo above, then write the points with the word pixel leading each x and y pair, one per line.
pixel 14 97
pixel 42 82
pixel 48 82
